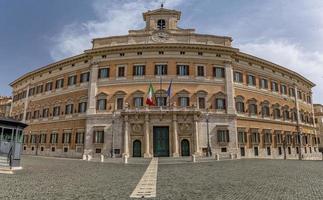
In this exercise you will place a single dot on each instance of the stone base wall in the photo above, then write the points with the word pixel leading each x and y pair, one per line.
pixel 71 153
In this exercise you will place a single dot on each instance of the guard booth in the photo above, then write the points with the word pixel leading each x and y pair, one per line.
pixel 11 141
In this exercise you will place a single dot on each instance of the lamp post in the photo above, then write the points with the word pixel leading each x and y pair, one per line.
pixel 112 132
pixel 208 152
pixel 284 147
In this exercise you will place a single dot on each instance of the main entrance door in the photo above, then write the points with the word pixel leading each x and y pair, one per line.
pixel 161 141
pixel 136 148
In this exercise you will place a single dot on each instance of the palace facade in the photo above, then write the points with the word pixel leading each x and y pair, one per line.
pixel 222 101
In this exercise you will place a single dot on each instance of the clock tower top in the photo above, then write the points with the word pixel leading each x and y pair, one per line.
pixel 161 19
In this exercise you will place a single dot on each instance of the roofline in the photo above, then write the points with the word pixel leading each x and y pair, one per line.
pixel 261 60
pixel 55 64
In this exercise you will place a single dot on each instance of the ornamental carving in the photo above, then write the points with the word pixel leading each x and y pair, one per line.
pixel 137 128
pixel 185 127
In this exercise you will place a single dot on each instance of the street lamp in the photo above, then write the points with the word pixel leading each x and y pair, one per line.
pixel 208 152
pixel 112 131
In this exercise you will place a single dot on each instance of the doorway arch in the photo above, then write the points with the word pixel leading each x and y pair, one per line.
pixel 136 148
pixel 185 147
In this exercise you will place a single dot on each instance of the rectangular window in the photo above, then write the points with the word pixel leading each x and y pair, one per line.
pixel 268 151
pixel 104 73
pixel 200 70
pixel 43 138
pixel 201 102
pixel 274 86
pixel 220 104
pixel 242 151
pixel 160 70
pixel 182 70
pixel 79 139
pixel 82 107
pixel 54 138
pixel 31 92
pixel 139 70
pixel 238 77
pixel 85 77
pixel 56 111
pixel 59 83
pixel 66 138
pixel 36 114
pixel 264 83
pixel 71 80
pixel 256 151
pixel 291 92
pixel 218 72
pixel 49 86
pixel 223 136
pixel 119 103
pixel 161 101
pixel 251 80
pixel 39 89
pixel 138 102
pixel 184 101
pixel 102 104
pixel 279 150
pixel 242 137
pixel 283 89
pixel 98 137
pixel 69 109
pixel 121 71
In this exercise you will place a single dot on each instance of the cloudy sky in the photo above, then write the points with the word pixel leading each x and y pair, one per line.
pixel 34 33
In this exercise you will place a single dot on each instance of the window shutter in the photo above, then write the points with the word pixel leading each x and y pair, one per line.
pixel 165 69
pixel 228 136
pixel 133 70
pixel 177 69
pixel 188 70
pixel 155 69
pixel 108 72
pixel 94 133
pixel 144 70
pixel 219 136
pixel 224 103
pixel 102 137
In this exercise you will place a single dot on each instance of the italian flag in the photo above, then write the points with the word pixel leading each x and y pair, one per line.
pixel 149 100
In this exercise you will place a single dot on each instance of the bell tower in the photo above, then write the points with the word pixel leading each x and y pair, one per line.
pixel 161 19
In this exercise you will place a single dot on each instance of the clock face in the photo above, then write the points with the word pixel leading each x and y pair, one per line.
pixel 160 37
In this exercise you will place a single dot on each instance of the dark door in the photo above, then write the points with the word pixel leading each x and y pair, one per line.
pixel 161 142
pixel 185 146
pixel 136 148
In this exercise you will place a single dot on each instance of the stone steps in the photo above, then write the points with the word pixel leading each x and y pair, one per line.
pixel 3 162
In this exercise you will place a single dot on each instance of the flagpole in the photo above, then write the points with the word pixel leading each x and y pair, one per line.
pixel 160 89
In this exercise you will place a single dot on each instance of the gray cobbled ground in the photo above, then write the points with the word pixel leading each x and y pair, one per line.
pixel 52 178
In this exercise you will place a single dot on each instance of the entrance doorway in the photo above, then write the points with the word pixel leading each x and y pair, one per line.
pixel 161 141
pixel 136 148
pixel 185 147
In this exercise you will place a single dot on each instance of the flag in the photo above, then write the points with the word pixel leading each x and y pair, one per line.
pixel 149 100
pixel 169 90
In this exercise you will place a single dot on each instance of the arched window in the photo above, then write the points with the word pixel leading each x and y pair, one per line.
pixel 239 104
pixel 286 113
pixel 252 107
pixel 220 103
pixel 101 102
pixel 265 112
pixel 183 98
pixel 276 111
pixel 161 24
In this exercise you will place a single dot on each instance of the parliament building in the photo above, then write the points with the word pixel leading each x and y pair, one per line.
pixel 209 98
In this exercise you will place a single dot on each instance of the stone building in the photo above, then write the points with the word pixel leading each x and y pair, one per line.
pixel 5 105
pixel 318 112
pixel 233 103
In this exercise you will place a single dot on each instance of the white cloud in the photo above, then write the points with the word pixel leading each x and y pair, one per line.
pixel 113 18
pixel 294 57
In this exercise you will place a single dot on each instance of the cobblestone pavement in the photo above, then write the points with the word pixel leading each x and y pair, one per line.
pixel 50 178
pixel 242 179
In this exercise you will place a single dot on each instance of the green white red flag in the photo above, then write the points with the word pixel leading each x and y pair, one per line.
pixel 149 100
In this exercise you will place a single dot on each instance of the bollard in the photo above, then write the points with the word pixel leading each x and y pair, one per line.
pixel 89 157
pixel 102 158
pixel 231 156
pixel 84 157
pixel 217 157
pixel 125 159
pixel 193 158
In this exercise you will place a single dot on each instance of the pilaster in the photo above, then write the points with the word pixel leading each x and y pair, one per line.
pixel 26 102
pixel 93 88
pixel 126 137
pixel 146 137
pixel 229 88
pixel 175 138
pixel 196 136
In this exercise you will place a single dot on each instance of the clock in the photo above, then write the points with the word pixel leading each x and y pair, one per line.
pixel 160 37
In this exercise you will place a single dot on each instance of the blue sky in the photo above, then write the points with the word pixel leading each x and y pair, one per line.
pixel 34 33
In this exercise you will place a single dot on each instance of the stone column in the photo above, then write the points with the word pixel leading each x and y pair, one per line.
pixel 92 90
pixel 229 88
pixel 175 137
pixel 126 137
pixel 146 137
pixel 25 105
pixel 196 136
